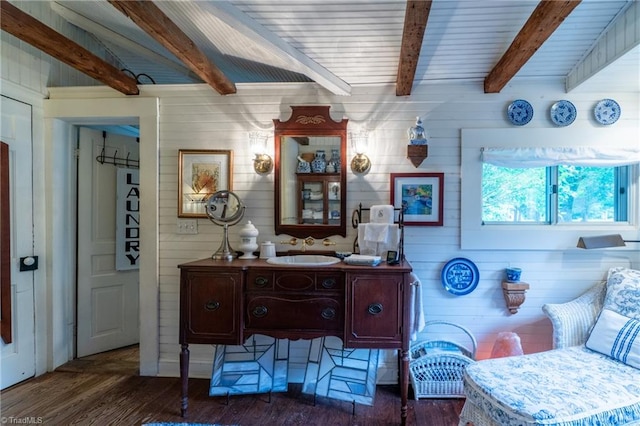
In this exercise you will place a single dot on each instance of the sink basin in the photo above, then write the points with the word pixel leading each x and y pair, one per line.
pixel 303 260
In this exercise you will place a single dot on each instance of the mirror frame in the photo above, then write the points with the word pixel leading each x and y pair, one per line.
pixel 311 121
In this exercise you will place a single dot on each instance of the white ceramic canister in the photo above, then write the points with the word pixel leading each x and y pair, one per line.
pixel 248 238
pixel 267 250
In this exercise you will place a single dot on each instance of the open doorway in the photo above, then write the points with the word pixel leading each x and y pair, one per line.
pixel 107 302
pixel 63 113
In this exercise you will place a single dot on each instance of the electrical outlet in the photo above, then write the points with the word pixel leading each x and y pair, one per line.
pixel 187 226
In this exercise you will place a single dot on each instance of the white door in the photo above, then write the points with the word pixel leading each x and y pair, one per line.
pixel 107 298
pixel 18 357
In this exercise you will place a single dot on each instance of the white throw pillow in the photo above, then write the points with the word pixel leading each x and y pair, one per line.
pixel 616 336
pixel 623 292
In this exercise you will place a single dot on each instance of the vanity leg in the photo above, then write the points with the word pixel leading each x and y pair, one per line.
pixel 184 378
pixel 403 356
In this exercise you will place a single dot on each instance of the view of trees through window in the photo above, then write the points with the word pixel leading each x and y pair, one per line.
pixel 550 195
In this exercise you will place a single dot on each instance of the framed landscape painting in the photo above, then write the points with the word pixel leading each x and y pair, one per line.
pixel 419 196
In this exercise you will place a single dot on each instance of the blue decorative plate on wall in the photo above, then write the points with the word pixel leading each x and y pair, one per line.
pixel 520 112
pixel 563 113
pixel 460 276
pixel 607 111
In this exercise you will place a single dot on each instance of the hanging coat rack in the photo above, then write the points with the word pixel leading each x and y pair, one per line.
pixel 115 160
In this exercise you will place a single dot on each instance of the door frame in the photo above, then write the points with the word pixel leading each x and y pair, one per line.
pixel 68 107
pixel 40 295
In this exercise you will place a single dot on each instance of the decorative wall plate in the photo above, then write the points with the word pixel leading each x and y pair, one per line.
pixel 520 112
pixel 563 113
pixel 607 111
pixel 460 276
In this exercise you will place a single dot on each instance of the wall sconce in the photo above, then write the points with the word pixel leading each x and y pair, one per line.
pixel 360 163
pixel 262 163
pixel 417 150
pixel 603 241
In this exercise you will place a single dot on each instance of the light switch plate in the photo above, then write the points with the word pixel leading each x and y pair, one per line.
pixel 187 226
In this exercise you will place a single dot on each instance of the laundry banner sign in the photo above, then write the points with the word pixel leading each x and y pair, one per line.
pixel 127 219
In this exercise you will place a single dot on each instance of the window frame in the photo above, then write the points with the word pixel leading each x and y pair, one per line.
pixel 554 236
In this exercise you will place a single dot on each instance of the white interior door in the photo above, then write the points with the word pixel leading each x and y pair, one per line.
pixel 107 298
pixel 18 357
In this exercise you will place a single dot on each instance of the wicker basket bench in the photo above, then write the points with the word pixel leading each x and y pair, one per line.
pixel 437 366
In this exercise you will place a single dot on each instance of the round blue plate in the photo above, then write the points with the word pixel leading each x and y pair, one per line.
pixel 563 113
pixel 607 111
pixel 460 276
pixel 520 112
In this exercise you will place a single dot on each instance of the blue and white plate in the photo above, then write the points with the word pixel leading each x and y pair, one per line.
pixel 563 113
pixel 607 111
pixel 460 276
pixel 520 112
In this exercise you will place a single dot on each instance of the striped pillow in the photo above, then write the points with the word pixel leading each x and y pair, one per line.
pixel 616 336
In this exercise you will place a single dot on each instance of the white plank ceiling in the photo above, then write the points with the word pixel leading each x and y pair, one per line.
pixel 343 44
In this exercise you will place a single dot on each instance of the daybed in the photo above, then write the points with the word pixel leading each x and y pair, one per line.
pixel 591 377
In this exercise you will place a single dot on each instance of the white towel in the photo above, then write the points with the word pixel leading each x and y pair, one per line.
pixel 376 232
pixel 366 247
pixel 381 214
pixel 417 323
pixel 393 240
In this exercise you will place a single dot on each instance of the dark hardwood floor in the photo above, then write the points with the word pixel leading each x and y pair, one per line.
pixel 106 389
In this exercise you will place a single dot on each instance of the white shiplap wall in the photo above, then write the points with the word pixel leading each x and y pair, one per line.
pixel 197 117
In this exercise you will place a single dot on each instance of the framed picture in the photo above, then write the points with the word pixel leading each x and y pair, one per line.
pixel 420 196
pixel 200 174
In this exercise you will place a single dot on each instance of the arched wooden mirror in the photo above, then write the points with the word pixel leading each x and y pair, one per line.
pixel 310 198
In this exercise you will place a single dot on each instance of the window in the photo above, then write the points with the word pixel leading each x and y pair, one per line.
pixel 540 189
pixel 558 194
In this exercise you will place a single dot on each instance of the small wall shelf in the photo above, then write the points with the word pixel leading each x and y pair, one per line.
pixel 514 294
pixel 417 154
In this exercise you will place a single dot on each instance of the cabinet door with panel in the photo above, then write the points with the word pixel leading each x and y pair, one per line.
pixel 374 310
pixel 211 304
pixel 319 199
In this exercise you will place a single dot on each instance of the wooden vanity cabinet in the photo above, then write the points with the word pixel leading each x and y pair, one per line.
pixel 374 310
pixel 225 302
pixel 211 306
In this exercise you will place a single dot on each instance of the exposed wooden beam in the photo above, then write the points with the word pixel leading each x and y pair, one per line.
pixel 158 25
pixel 104 33
pixel 28 29
pixel 544 20
pixel 620 38
pixel 415 24
pixel 252 29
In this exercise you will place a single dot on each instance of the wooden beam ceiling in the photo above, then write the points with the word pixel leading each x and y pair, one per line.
pixel 544 20
pixel 103 33
pixel 28 29
pixel 158 25
pixel 415 24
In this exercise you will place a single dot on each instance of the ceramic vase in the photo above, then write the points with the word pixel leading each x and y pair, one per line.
pixel 319 163
pixel 334 161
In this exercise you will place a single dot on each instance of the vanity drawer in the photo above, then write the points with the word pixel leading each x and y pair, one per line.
pixel 259 280
pixel 309 281
pixel 294 312
pixel 295 281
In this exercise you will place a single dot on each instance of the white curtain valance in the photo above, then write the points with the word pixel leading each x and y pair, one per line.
pixel 567 156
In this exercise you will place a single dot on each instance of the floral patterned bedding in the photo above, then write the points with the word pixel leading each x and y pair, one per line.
pixel 563 387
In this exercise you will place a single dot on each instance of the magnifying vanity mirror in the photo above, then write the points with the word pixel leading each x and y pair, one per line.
pixel 310 174
pixel 225 209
